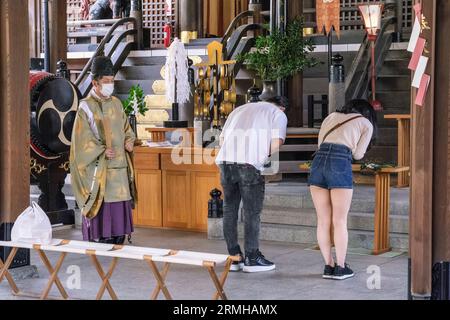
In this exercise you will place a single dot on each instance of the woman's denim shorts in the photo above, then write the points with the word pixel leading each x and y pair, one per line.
pixel 332 167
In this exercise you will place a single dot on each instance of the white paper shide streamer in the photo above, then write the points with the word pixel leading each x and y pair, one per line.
pixel 177 73
pixel 135 104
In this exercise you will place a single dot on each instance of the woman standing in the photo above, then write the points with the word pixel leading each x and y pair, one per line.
pixel 344 135
pixel 101 169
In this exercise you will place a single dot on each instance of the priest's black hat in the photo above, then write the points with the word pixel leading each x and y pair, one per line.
pixel 101 67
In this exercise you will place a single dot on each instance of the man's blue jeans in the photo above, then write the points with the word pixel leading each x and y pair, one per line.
pixel 242 182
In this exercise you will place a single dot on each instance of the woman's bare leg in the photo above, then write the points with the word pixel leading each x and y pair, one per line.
pixel 341 200
pixel 322 203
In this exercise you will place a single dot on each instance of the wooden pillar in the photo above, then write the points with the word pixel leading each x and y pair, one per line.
pixel 295 85
pixel 58 32
pixel 421 203
pixel 35 27
pixel 14 110
pixel 441 154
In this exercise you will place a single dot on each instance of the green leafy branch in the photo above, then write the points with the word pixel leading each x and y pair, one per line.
pixel 135 97
pixel 280 55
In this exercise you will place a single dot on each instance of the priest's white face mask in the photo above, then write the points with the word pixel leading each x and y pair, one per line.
pixel 105 86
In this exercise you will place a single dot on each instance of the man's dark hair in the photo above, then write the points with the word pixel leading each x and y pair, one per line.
pixel 280 101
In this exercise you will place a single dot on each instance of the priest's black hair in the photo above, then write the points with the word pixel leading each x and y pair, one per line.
pixel 102 67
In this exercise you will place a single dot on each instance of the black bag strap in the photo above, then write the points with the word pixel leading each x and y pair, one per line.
pixel 338 126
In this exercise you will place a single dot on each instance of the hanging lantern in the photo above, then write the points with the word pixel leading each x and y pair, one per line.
pixel 371 14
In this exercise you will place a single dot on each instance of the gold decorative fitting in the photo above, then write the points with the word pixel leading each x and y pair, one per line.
pixel 216 80
pixel 424 23
pixel 229 96
pixel 36 167
pixel 227 108
pixel 201 73
pixel 65 166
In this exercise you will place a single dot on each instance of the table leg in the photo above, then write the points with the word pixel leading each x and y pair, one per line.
pixel 105 277
pixel 222 280
pixel 381 228
pixel 53 274
pixel 404 146
pixel 163 277
pixel 161 285
pixel 4 270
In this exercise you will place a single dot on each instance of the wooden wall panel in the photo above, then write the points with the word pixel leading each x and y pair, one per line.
pixel 201 185
pixel 149 206
pixel 218 14
pixel 176 199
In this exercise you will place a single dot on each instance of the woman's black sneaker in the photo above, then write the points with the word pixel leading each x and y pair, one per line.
pixel 237 265
pixel 256 262
pixel 328 272
pixel 342 273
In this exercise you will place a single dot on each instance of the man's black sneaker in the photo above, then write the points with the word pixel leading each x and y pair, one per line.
pixel 342 273
pixel 328 272
pixel 257 263
pixel 237 265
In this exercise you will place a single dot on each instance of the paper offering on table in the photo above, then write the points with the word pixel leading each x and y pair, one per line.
pixel 159 144
pixel 423 61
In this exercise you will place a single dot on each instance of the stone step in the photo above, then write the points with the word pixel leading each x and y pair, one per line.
pixel 148 72
pixel 399 101
pixel 290 166
pixel 145 61
pixel 307 217
pixel 87 47
pixel 387 136
pixel 381 153
pixel 124 86
pixel 298 147
pixel 398 55
pixel 393 83
pixel 395 67
pixel 307 235
pixel 297 196
pixel 202 42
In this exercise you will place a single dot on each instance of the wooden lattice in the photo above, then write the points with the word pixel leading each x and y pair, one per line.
pixel 154 18
pixel 407 14
pixel 73 14
pixel 73 10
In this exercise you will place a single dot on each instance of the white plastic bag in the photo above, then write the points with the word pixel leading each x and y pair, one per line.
pixel 32 226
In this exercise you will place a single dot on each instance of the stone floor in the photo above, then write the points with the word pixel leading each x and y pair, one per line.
pixel 298 274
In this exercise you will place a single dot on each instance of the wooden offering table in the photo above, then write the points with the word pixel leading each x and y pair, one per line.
pixel 173 187
pixel 382 197
pixel 404 146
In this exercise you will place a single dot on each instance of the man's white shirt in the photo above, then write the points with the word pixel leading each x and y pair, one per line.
pixel 248 133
